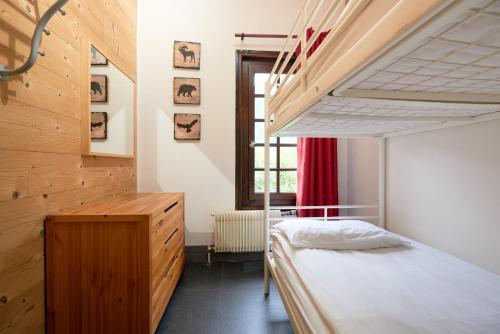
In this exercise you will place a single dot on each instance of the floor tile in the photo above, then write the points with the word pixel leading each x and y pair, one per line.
pixel 226 297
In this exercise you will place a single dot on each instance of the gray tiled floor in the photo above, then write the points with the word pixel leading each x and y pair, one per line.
pixel 224 298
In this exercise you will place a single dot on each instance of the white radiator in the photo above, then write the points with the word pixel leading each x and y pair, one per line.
pixel 240 231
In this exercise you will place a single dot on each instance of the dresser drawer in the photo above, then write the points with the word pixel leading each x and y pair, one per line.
pixel 165 224
pixel 166 286
pixel 163 260
pixel 172 209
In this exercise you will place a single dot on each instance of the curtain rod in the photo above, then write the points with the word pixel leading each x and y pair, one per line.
pixel 244 35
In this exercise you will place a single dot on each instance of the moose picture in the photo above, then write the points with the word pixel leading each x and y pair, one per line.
pixel 186 90
pixel 99 125
pixel 99 88
pixel 187 126
pixel 187 55
pixel 97 58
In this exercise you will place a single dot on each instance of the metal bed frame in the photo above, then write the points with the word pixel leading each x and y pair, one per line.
pixel 333 72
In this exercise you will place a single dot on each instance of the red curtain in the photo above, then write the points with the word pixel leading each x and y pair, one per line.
pixel 317 177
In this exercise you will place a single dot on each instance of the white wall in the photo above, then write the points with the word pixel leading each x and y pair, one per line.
pixel 204 170
pixel 444 190
pixel 362 188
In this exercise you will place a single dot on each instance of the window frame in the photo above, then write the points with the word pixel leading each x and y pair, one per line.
pixel 247 64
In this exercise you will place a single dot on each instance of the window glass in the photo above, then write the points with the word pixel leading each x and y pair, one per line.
pixel 259 107
pixel 288 157
pixel 259 157
pixel 288 182
pixel 288 140
pixel 259 134
pixel 260 82
pixel 259 182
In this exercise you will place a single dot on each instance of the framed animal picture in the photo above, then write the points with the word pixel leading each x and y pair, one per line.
pixel 97 58
pixel 187 126
pixel 187 90
pixel 99 88
pixel 187 55
pixel 99 125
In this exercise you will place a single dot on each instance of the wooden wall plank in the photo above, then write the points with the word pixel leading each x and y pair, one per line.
pixel 42 171
pixel 43 89
pixel 22 209
pixel 13 175
pixel 20 278
pixel 28 128
pixel 15 257
pixel 24 313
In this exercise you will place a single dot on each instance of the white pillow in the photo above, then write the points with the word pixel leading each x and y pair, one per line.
pixel 344 234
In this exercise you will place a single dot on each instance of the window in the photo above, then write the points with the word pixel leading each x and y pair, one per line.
pixel 253 70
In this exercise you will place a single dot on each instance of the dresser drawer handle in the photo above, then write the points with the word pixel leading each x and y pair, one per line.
pixel 170 207
pixel 170 237
pixel 170 265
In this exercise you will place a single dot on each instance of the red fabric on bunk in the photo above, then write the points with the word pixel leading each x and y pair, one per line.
pixel 314 46
pixel 317 176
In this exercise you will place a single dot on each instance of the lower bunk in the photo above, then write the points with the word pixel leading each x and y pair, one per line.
pixel 405 289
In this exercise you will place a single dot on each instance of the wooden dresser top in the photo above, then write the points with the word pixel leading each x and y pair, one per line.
pixel 126 204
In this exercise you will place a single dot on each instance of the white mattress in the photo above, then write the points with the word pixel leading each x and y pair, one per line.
pixel 399 290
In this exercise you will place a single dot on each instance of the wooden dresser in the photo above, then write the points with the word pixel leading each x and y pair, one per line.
pixel 113 265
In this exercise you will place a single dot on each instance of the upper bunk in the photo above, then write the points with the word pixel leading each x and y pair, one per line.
pixel 387 67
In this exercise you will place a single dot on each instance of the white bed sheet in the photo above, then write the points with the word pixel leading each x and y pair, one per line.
pixel 400 290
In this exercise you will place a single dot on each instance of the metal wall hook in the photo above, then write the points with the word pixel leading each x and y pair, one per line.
pixel 47 32
pixel 35 41
pixel 62 11
pixel 41 53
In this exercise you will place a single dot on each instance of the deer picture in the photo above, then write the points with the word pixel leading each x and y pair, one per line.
pixel 187 53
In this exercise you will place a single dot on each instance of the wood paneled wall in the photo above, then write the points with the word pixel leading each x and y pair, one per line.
pixel 41 170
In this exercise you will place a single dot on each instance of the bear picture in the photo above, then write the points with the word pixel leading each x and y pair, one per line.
pixel 99 88
pixel 187 126
pixel 187 55
pixel 187 90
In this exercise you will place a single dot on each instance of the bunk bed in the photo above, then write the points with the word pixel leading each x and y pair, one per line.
pixel 386 68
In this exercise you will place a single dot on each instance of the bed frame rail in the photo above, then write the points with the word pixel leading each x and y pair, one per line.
pixel 334 16
pixel 271 221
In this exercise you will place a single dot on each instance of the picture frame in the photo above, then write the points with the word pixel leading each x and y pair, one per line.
pixel 99 125
pixel 187 126
pixel 99 88
pixel 187 90
pixel 187 55
pixel 97 58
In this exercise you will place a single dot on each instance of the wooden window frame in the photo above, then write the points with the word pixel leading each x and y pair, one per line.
pixel 245 198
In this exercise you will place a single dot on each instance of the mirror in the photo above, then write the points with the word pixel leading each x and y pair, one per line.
pixel 112 108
